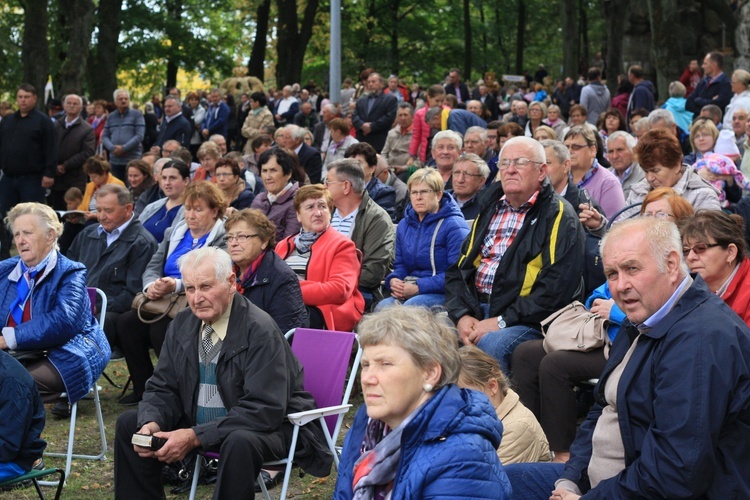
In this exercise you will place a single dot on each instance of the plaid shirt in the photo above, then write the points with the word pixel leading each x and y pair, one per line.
pixel 505 224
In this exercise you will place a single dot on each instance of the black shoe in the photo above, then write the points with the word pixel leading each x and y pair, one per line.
pixel 131 399
pixel 61 410
pixel 116 354
pixel 38 464
pixel 269 481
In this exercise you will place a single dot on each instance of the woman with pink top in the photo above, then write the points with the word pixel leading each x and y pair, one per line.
pixel 421 131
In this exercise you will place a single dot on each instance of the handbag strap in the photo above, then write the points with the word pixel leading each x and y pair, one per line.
pixel 432 246
pixel 172 301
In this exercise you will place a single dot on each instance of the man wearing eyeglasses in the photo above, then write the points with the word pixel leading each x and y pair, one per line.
pixel 522 261
pixel 469 175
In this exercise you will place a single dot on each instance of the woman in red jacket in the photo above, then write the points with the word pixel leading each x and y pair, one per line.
pixel 326 262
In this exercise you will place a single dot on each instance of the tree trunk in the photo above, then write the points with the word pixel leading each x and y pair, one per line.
pixel 255 66
pixel 173 30
pixel 292 40
pixel 665 42
pixel 520 35
pixel 467 41
pixel 584 26
pixel 393 31
pixel 35 49
pixel 505 65
pixel 77 16
pixel 103 70
pixel 570 40
pixel 614 13
pixel 485 43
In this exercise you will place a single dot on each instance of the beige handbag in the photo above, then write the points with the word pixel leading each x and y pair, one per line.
pixel 151 311
pixel 575 328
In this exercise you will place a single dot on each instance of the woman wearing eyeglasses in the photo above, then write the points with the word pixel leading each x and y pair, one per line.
pixel 230 181
pixel 262 276
pixel 428 241
pixel 713 244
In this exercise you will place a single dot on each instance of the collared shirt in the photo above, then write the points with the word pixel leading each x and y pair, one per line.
pixel 625 174
pixel 220 326
pixel 504 226
pixel 116 233
pixel 344 225
pixel 168 119
pixel 588 175
pixel 654 319
pixel 69 124
pixel 296 151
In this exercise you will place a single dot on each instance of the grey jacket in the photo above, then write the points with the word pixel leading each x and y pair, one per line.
pixel 595 98
pixel 126 130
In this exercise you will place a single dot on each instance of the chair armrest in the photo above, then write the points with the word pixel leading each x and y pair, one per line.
pixel 305 417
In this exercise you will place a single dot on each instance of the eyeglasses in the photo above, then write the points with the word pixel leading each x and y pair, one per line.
pixel 699 248
pixel 328 183
pixel 576 147
pixel 224 174
pixel 520 163
pixel 240 238
pixel 458 173
pixel 420 194
pixel 702 135
pixel 659 215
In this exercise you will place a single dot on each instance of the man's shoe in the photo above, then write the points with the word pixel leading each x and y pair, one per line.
pixel 61 410
pixel 116 354
pixel 131 399
pixel 269 481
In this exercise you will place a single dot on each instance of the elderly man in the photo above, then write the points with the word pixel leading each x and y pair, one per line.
pixel 663 118
pixel 115 252
pixel 620 147
pixel 76 143
pixel 321 133
pixel 445 149
pixel 286 107
pixel 174 127
pixel 475 106
pixel 294 139
pixel 586 172
pixel 220 141
pixel 483 95
pixel 739 122
pixel 383 195
pixel 374 114
pixel 475 142
pixel 714 87
pixel 470 174
pixel 396 149
pixel 364 221
pixel 216 120
pixel 523 260
pixel 123 134
pixel 225 381
pixel 306 118
pixel 673 401
pixel 383 172
pixel 521 115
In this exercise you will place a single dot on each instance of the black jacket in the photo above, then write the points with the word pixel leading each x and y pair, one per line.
pixel 535 278
pixel 179 129
pixel 311 162
pixel 28 145
pixel 75 145
pixel 381 118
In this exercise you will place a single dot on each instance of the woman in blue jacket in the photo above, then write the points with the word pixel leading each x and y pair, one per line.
pixel 428 241
pixel 418 435
pixel 45 308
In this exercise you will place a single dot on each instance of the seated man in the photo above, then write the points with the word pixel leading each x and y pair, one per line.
pixel 383 195
pixel 523 261
pixel 22 417
pixel 475 141
pixel 115 252
pixel 225 380
pixel 396 149
pixel 673 402
pixel 469 176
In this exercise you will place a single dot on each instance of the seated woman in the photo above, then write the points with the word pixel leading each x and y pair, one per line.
pixel 45 307
pixel 340 141
pixel 203 225
pixel 262 276
pixel 546 381
pixel 428 241
pixel 714 247
pixel 523 437
pixel 208 154
pixel 703 136
pixel 161 214
pixel 282 179
pixel 326 261
pixel 418 435
pixel 139 178
pixel 229 180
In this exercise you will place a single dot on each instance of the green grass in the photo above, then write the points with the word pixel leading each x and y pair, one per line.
pixel 95 479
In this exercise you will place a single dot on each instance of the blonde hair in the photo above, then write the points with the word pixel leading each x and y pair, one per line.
pixel 478 368
pixel 47 217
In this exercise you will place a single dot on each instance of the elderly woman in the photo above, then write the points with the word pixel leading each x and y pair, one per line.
pixel 258 118
pixel 340 141
pixel 418 435
pixel 262 276
pixel 161 214
pixel 230 181
pixel 741 98
pixel 554 119
pixel 139 178
pixel 545 133
pixel 46 310
pixel 208 154
pixel 537 114
pixel 703 136
pixel 326 262
pixel 428 241
pixel 714 247
pixel 546 381
pixel 203 225
pixel 523 437
pixel 282 178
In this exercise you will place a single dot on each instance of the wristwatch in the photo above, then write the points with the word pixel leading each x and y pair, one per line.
pixel 501 322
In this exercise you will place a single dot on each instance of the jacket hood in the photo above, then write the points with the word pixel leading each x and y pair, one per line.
pixel 599 88
pixel 448 208
pixel 647 84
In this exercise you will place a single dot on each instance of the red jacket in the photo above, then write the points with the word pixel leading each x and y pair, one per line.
pixel 332 279
pixel 737 295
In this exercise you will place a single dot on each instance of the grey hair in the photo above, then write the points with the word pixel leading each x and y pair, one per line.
pixel 677 89
pixel 663 238
pixel 658 115
pixel 428 336
pixel 220 260
pixel 582 131
pixel 171 97
pixel 297 132
pixel 561 151
pixel 476 161
pixel 349 169
pixel 540 105
pixel 630 141
pixel 448 134
pixel 431 113
pixel 47 217
pixel 554 107
pixel 641 124
pixel 477 130
pixel 124 196
pixel 158 164
pixel 80 99
pixel 536 147
pixel 332 108
pixel 406 105
pixel 120 91
pixel 734 111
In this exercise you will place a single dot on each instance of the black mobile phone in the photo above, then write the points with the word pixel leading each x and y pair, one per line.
pixel 586 196
pixel 148 441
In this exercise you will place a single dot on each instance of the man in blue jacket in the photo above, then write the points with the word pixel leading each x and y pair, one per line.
pixel 174 127
pixel 123 134
pixel 217 116
pixel 714 87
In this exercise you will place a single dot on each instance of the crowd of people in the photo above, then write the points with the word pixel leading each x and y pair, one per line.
pixel 445 225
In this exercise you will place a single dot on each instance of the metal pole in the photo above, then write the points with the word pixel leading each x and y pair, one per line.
pixel 335 63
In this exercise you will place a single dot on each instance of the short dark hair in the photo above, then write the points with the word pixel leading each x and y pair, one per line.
pixel 594 73
pixel 178 165
pixel 723 228
pixel 261 140
pixel 231 163
pixel 364 149
pixel 96 165
pixel 636 71
pixel 716 57
pixel 27 87
pixel 288 164
pixel 182 154
pixel 259 97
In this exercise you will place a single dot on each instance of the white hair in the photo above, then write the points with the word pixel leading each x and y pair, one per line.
pixel 448 134
pixel 217 257
pixel 120 91
pixel 630 141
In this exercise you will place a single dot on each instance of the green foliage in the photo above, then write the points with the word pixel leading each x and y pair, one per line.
pixel 11 28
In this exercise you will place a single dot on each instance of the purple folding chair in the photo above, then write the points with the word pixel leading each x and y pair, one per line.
pixel 325 355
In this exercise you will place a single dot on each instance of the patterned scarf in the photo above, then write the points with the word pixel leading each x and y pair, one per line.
pixel 273 197
pixel 305 239
pixel 24 287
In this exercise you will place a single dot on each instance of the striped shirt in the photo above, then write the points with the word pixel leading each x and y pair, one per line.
pixel 504 226
pixel 344 225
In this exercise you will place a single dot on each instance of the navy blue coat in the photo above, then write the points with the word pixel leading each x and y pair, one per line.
pixel 179 129
pixel 447 450
pixel 718 92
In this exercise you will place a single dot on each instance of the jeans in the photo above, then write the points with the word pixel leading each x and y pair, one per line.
pixel 534 480
pixel 500 344
pixel 421 300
